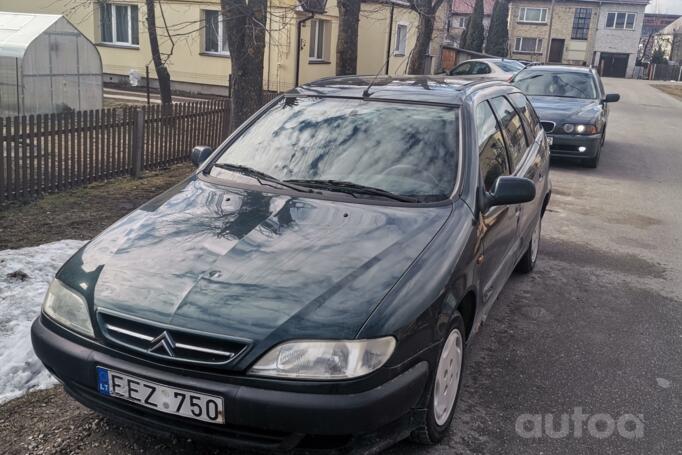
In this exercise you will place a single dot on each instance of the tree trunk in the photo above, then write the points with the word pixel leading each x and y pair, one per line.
pixel 162 74
pixel 245 25
pixel 347 45
pixel 417 64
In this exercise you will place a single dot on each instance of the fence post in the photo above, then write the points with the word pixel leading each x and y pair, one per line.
pixel 137 144
pixel 226 118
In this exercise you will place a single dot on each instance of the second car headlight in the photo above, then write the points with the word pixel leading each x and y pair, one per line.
pixel 325 360
pixel 67 308
pixel 579 128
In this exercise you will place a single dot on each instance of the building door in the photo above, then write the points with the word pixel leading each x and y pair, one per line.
pixel 613 65
pixel 556 50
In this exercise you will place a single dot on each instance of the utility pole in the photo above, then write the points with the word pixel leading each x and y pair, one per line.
pixel 549 31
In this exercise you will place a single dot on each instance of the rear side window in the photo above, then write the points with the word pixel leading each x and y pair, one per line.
pixel 464 68
pixel 480 68
pixel 512 129
pixel 524 107
pixel 492 154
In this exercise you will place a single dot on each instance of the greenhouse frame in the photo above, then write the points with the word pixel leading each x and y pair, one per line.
pixel 46 66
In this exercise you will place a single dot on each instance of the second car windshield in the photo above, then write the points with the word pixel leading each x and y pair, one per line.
pixel 549 83
pixel 406 149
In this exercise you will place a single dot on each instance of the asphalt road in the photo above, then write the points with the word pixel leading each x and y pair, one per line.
pixel 598 325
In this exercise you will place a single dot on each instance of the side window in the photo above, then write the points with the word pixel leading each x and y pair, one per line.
pixel 480 68
pixel 512 129
pixel 522 106
pixel 492 154
pixel 464 68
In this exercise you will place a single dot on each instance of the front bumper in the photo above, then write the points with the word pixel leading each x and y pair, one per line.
pixel 255 417
pixel 568 145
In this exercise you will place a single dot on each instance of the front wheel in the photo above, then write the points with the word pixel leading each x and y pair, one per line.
pixel 593 162
pixel 445 387
pixel 530 257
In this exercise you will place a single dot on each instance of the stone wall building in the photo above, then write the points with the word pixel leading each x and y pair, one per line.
pixel 604 34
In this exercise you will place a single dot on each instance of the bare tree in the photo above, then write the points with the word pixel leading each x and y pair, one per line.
pixel 427 10
pixel 245 22
pixel 162 74
pixel 347 42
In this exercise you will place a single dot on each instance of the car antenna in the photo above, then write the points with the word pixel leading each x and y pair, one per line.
pixel 366 93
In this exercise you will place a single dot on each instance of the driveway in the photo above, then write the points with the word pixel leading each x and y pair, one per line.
pixel 598 325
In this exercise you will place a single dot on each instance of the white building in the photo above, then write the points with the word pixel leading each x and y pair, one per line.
pixel 618 35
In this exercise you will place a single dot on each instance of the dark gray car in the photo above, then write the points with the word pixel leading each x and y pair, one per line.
pixel 572 106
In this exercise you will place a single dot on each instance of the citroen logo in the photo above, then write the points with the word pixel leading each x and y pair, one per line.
pixel 163 344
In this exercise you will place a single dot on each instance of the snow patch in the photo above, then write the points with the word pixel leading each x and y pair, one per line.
pixel 25 275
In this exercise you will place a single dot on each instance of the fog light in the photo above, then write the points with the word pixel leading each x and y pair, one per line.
pixel 582 149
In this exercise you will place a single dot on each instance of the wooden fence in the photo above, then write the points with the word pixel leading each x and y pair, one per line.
pixel 665 72
pixel 54 152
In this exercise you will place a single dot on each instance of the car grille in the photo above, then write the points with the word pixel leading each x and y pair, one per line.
pixel 169 343
pixel 548 126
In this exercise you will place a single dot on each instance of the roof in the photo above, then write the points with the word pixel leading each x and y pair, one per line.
pixel 427 89
pixel 559 68
pixel 620 2
pixel 467 6
pixel 674 28
pixel 627 2
pixel 18 30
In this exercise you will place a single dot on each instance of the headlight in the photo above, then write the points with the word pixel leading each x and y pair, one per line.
pixel 67 308
pixel 325 359
pixel 579 128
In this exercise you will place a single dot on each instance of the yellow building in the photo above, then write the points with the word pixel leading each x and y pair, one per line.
pixel 199 60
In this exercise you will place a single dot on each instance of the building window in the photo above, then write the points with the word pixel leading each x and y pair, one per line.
pixel 622 21
pixel 320 38
pixel 119 24
pixel 462 22
pixel 581 23
pixel 528 45
pixel 536 15
pixel 400 39
pixel 215 36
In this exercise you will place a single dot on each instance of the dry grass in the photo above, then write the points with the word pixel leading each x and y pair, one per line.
pixel 82 213
pixel 671 89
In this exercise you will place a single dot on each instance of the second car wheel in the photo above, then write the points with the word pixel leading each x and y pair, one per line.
pixel 593 162
pixel 445 387
pixel 530 257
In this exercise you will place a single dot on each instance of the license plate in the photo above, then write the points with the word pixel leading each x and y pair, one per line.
pixel 163 398
pixel 550 140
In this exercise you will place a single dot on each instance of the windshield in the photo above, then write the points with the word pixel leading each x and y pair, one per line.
pixel 510 66
pixel 409 150
pixel 568 84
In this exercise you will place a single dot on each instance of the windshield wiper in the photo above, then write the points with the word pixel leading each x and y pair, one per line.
pixel 260 176
pixel 351 188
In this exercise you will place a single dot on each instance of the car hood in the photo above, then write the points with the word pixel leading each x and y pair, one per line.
pixel 253 265
pixel 566 110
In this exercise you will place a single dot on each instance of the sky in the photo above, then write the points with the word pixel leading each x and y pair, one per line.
pixel 665 7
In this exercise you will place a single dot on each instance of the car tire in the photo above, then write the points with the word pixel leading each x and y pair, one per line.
pixel 603 136
pixel 530 257
pixel 592 163
pixel 447 372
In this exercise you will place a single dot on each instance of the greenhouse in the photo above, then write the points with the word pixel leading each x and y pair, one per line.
pixel 46 66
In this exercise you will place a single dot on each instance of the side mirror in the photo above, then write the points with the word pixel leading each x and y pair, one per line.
pixel 612 98
pixel 511 190
pixel 200 153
